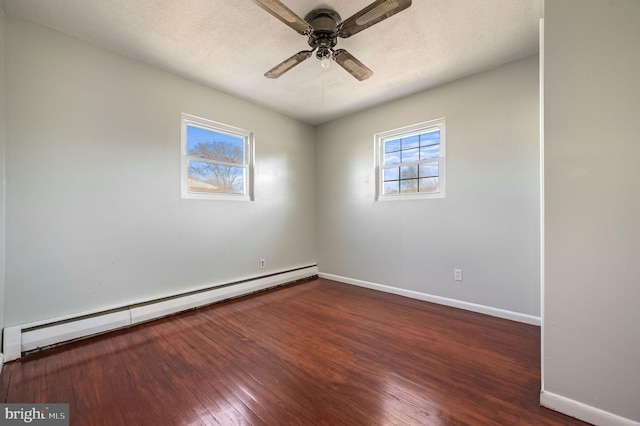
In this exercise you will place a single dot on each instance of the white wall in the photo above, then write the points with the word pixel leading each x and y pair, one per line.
pixel 488 224
pixel 592 172
pixel 94 214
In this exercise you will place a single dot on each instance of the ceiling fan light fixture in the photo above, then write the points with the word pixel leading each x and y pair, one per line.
pixel 325 55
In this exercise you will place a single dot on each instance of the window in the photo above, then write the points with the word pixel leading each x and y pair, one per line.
pixel 216 160
pixel 410 162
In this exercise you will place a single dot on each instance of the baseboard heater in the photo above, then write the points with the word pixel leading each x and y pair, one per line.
pixel 26 338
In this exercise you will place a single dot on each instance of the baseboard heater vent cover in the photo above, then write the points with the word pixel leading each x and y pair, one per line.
pixel 27 338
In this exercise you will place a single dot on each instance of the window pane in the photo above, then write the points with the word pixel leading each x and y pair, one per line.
pixel 392 158
pixel 411 155
pixel 216 178
pixel 430 138
pixel 430 151
pixel 429 170
pixel 429 185
pixel 392 174
pixel 407 186
pixel 212 145
pixel 391 146
pixel 411 142
pixel 408 172
pixel 392 187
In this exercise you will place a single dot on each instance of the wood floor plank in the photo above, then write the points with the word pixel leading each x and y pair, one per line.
pixel 314 353
pixel 191 383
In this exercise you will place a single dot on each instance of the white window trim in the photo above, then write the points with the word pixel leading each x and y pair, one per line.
pixel 191 120
pixel 407 131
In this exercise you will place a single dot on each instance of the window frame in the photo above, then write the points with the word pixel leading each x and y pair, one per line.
pixel 188 120
pixel 405 132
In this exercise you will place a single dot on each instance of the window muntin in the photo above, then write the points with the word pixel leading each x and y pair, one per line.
pixel 411 161
pixel 216 160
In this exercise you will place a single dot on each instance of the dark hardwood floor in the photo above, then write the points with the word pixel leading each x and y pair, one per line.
pixel 312 353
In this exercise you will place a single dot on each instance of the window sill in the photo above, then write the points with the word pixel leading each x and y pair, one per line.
pixel 215 197
pixel 399 197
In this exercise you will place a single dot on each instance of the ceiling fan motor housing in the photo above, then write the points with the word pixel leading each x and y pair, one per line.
pixel 324 36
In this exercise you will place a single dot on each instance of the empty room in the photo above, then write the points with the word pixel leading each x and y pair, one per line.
pixel 294 212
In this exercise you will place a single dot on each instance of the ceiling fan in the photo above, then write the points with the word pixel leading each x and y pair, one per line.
pixel 323 26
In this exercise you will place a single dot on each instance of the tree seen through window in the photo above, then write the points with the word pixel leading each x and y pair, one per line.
pixel 215 161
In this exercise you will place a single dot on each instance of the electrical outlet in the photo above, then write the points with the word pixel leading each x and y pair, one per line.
pixel 457 274
pixel 262 263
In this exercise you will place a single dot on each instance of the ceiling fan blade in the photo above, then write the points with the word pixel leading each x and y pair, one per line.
pixel 352 65
pixel 283 13
pixel 287 64
pixel 377 11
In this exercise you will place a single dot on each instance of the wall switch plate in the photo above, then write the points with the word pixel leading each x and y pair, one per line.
pixel 457 274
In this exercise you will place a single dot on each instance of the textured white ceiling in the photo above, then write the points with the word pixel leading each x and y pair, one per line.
pixel 228 45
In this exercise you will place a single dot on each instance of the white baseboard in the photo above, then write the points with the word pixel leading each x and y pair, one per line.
pixel 28 337
pixel 583 411
pixel 487 310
